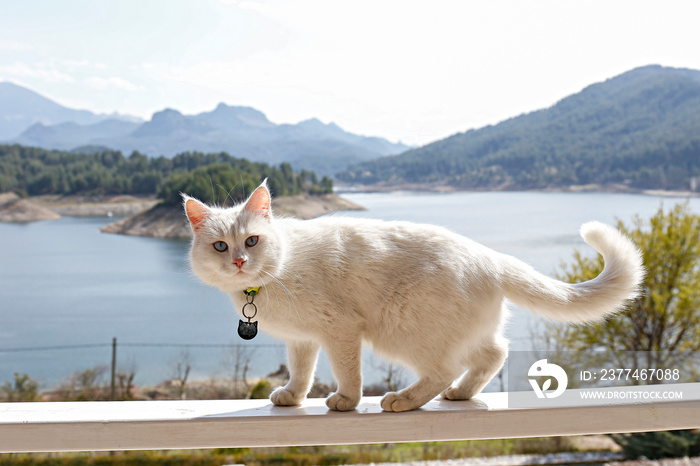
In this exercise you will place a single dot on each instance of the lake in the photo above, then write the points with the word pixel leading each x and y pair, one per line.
pixel 66 289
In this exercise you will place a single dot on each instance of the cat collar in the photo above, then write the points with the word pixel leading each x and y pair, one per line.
pixel 248 330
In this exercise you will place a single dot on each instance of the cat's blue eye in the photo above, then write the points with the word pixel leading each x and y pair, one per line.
pixel 251 241
pixel 220 246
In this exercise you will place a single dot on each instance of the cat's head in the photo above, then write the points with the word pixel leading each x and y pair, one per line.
pixel 238 247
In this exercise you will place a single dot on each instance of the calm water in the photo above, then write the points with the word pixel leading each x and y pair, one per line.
pixel 64 283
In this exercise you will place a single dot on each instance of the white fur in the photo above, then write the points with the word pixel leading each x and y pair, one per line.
pixel 418 294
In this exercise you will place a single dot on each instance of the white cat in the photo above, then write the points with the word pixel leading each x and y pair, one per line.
pixel 418 294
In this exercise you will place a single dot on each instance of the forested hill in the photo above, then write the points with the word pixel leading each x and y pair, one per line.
pixel 215 178
pixel 641 129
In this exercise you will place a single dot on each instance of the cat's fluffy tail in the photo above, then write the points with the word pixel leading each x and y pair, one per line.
pixel 581 302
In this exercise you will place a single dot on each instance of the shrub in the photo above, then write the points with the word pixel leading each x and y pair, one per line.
pixel 655 445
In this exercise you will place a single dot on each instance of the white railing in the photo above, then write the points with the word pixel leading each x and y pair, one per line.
pixel 155 425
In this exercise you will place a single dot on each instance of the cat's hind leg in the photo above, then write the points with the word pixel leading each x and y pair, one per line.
pixel 482 363
pixel 431 382
pixel 302 358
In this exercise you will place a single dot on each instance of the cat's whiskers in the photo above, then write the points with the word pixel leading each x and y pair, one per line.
pixel 290 297
pixel 268 286
pixel 298 279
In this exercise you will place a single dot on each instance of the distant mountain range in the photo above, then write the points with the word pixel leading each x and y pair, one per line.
pixel 640 129
pixel 21 108
pixel 29 119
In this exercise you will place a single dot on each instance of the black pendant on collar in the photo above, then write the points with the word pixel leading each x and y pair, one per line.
pixel 247 330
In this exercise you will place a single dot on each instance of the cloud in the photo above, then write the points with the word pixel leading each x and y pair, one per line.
pixel 113 82
pixel 36 70
pixel 14 46
pixel 246 4
pixel 83 64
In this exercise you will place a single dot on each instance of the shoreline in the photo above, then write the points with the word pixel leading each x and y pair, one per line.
pixel 441 188
pixel 14 209
pixel 117 205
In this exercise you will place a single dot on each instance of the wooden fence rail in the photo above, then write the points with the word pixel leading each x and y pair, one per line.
pixel 154 425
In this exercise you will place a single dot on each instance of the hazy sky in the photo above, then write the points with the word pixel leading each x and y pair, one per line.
pixel 414 71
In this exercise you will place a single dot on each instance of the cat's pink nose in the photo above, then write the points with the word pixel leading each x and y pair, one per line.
pixel 239 262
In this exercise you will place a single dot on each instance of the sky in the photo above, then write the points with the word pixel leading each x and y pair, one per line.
pixel 409 71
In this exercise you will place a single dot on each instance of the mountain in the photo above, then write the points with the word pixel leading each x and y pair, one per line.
pixel 640 129
pixel 21 108
pixel 243 132
pixel 229 117
pixel 65 135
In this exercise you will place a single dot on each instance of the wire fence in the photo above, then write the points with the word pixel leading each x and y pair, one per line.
pixel 266 357
pixel 157 345
pixel 240 362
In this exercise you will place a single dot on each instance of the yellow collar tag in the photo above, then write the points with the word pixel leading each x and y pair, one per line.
pixel 252 291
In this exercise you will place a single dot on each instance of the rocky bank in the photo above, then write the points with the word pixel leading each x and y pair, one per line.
pixel 14 209
pixel 120 205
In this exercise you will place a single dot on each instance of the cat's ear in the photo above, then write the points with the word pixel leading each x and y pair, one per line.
pixel 196 212
pixel 259 203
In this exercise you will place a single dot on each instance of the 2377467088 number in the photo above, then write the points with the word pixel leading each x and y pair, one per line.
pixel 640 374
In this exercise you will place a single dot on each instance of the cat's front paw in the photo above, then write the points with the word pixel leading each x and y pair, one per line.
pixel 283 397
pixel 338 402
pixel 397 402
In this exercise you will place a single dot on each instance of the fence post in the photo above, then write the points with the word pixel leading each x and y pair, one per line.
pixel 114 368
